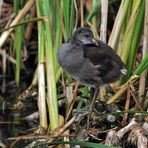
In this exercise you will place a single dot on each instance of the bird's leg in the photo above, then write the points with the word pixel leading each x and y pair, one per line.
pixel 96 92
pixel 87 112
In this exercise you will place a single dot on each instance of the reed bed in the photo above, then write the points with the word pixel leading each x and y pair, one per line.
pixel 122 25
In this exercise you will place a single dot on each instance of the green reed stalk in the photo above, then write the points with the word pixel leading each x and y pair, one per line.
pixel 18 44
pixel 41 73
pixel 50 66
pixel 136 37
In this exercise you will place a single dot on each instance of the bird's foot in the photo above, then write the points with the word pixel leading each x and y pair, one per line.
pixel 81 114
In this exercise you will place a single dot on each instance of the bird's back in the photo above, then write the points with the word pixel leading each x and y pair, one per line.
pixel 109 64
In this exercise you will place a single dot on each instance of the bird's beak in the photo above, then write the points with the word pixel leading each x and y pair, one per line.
pixel 94 41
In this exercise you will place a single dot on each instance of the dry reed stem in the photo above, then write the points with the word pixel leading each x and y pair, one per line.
pixel 81 9
pixel 122 90
pixel 42 96
pixel 103 32
pixel 18 18
pixel 104 17
pixel 76 22
pixel 125 116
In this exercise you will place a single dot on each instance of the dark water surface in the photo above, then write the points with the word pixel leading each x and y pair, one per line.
pixel 12 123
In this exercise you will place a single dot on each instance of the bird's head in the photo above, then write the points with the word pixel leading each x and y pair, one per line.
pixel 83 36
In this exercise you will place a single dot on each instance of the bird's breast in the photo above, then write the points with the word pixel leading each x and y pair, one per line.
pixel 70 58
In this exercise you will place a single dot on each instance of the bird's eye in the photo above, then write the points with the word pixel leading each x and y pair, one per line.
pixel 87 35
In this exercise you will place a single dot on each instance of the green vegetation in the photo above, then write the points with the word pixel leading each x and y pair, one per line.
pixel 56 20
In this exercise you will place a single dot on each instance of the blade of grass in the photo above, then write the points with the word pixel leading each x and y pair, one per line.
pixel 95 9
pixel 18 45
pixel 61 20
pixel 72 18
pixel 82 144
pixel 66 13
pixel 142 66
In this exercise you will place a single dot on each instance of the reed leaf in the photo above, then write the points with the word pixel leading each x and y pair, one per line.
pixel 136 37
pixel 118 23
pixel 18 45
pixel 129 33
pixel 93 12
pixel 142 66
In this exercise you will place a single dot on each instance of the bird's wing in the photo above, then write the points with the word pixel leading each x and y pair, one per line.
pixel 97 53
pixel 102 56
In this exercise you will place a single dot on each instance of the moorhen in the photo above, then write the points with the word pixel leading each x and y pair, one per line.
pixel 90 61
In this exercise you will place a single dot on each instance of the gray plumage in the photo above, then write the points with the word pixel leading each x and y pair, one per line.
pixel 90 61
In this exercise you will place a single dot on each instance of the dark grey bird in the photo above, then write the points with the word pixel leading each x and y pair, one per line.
pixel 90 61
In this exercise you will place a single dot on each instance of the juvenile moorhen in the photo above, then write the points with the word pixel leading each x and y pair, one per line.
pixel 90 61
